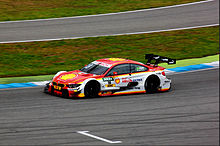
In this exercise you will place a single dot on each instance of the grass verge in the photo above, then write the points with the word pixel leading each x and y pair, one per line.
pixel 40 9
pixel 43 58
pixel 25 79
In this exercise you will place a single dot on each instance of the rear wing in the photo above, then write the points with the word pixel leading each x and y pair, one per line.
pixel 158 59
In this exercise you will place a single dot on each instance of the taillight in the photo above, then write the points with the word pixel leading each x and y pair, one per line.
pixel 163 73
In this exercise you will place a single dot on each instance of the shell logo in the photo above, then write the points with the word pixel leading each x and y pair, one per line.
pixel 117 81
pixel 68 76
pixel 116 59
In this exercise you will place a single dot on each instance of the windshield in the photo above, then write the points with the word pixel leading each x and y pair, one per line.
pixel 94 69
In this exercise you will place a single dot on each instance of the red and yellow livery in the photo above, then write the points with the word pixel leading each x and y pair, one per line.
pixel 111 76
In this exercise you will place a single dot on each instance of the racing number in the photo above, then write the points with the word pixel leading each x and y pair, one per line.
pixel 57 87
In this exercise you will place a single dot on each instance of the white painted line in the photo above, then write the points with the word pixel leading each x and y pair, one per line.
pixel 142 10
pixel 167 72
pixel 214 64
pixel 96 137
pixel 42 83
pixel 56 39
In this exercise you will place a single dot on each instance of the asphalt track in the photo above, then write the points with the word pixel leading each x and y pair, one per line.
pixel 122 23
pixel 188 115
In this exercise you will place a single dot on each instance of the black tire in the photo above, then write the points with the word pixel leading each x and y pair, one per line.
pixel 52 90
pixel 92 89
pixel 65 93
pixel 152 84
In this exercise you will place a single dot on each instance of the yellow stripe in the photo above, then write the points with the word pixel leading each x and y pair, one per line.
pixel 129 92
pixel 165 89
pixel 81 95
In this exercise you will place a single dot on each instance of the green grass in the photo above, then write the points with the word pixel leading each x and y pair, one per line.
pixel 25 79
pixel 193 61
pixel 39 9
pixel 45 58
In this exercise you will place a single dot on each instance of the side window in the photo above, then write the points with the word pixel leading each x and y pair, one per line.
pixel 120 69
pixel 138 68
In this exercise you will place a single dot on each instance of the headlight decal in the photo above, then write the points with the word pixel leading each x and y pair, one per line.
pixel 73 85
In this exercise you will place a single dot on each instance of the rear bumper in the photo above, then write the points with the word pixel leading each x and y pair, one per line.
pixel 165 86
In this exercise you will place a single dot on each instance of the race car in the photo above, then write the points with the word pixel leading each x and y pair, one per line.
pixel 112 76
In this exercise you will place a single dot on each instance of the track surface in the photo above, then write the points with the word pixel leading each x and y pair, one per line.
pixel 189 114
pixel 163 19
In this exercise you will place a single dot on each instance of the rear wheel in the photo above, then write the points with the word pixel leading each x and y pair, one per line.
pixel 152 83
pixel 92 89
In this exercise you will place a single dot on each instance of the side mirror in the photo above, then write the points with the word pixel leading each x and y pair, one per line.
pixel 115 73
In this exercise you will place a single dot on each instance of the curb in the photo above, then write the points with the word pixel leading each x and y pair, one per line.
pixel 167 71
pixel 16 85
pixel 192 67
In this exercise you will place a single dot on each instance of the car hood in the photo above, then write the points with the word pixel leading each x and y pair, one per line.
pixel 75 77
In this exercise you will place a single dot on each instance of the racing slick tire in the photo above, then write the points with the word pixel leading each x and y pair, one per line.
pixel 92 89
pixel 65 93
pixel 151 84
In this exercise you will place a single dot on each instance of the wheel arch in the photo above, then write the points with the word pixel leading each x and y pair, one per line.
pixel 88 81
pixel 91 80
pixel 153 76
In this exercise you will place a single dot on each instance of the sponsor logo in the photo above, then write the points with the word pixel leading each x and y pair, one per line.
pixel 68 76
pixel 137 80
pixel 107 79
pixel 107 92
pixel 171 62
pixel 136 87
pixel 57 87
pixel 126 80
pixel 110 85
pixel 117 80
pixel 164 59
pixel 116 59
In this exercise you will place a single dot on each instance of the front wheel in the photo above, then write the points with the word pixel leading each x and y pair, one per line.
pixel 65 93
pixel 92 89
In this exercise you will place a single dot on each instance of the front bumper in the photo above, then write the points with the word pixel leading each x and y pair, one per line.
pixel 63 91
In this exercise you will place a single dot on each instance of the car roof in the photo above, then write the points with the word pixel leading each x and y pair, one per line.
pixel 115 61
